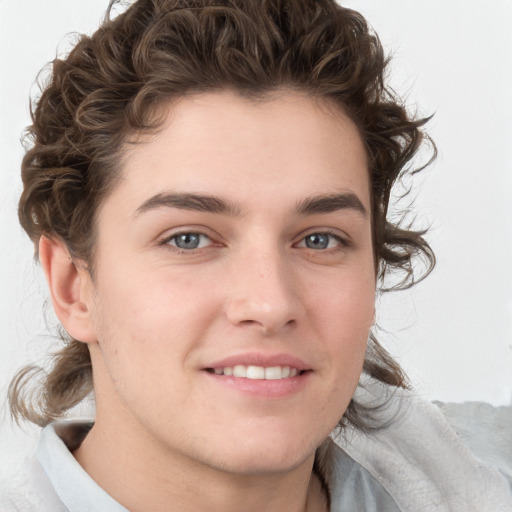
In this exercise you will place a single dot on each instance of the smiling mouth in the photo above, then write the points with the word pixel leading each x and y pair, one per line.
pixel 258 372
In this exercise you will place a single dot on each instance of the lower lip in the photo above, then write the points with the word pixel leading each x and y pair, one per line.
pixel 279 388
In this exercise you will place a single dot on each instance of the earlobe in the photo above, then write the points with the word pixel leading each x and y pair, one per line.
pixel 68 285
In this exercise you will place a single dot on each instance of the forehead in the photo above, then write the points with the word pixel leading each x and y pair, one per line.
pixel 224 144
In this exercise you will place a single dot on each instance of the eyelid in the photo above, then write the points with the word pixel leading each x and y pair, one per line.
pixel 201 236
pixel 169 234
pixel 342 238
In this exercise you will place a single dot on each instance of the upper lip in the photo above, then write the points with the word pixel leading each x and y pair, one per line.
pixel 259 359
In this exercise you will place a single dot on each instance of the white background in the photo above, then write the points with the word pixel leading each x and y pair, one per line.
pixel 452 333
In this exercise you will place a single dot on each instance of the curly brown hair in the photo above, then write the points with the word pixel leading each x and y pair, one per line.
pixel 108 90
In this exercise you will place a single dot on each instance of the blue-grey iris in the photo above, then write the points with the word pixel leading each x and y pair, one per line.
pixel 188 240
pixel 317 241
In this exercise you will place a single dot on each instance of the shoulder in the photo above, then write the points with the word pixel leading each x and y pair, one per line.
pixel 32 479
pixel 351 486
pixel 486 432
pixel 422 461
pixel 28 489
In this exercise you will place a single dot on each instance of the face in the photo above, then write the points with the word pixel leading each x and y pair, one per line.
pixel 234 282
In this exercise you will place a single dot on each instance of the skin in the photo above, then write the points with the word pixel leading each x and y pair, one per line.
pixel 170 435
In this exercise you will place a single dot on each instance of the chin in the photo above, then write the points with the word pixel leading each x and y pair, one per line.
pixel 265 454
pixel 263 464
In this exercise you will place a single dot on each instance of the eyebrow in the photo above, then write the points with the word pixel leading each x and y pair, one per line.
pixel 212 204
pixel 330 203
pixel 195 202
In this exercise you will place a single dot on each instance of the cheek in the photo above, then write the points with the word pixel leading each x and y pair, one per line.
pixel 345 316
pixel 346 302
pixel 144 296
pixel 153 319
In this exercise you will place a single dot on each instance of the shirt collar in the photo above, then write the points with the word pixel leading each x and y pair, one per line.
pixel 77 490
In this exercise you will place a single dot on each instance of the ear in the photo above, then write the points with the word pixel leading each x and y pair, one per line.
pixel 70 289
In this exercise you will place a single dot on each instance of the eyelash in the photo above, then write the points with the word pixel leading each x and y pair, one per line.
pixel 343 243
pixel 166 241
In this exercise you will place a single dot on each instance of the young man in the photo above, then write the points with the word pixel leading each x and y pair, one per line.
pixel 207 192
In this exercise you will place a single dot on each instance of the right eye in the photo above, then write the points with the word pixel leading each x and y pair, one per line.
pixel 322 241
pixel 188 241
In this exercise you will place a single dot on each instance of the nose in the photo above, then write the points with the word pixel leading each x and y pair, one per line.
pixel 263 292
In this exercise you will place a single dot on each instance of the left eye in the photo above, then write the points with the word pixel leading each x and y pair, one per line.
pixel 189 241
pixel 320 241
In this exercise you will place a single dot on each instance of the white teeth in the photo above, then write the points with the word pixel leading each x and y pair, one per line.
pixel 255 372
pixel 258 372
pixel 239 371
pixel 273 373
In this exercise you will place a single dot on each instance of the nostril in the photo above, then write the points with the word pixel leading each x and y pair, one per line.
pixel 248 322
